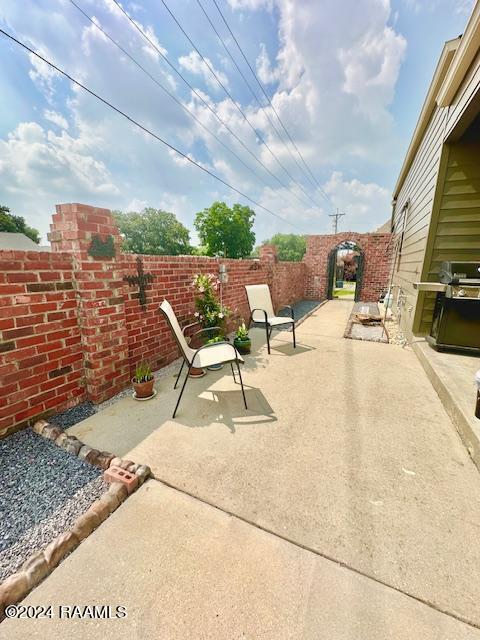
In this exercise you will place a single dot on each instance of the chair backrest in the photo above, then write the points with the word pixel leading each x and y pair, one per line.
pixel 259 298
pixel 169 313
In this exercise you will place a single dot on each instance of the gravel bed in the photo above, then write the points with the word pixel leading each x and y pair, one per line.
pixel 38 481
pixel 41 534
pixel 69 417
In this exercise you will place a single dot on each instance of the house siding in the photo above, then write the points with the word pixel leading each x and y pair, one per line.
pixel 442 188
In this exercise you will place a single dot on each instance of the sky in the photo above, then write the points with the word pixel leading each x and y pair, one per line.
pixel 346 78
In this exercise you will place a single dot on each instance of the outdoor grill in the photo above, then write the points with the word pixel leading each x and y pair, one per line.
pixel 456 314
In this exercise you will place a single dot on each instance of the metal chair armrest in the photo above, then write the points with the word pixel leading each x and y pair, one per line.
pixel 287 306
pixel 189 326
pixel 264 313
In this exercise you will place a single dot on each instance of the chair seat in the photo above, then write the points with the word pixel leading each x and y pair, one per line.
pixel 215 354
pixel 274 320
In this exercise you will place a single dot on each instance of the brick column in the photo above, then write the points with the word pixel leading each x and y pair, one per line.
pixel 268 253
pixel 99 291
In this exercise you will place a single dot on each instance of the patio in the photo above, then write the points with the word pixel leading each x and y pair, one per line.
pixel 344 487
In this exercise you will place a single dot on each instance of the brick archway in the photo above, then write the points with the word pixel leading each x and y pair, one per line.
pixel 376 249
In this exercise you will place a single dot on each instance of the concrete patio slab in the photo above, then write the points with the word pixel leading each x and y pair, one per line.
pixel 186 570
pixel 339 453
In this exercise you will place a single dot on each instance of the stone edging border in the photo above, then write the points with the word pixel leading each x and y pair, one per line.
pixel 41 563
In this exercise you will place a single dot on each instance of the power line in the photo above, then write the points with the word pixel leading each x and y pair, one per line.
pixel 202 99
pixel 270 102
pixel 235 103
pixel 336 217
pixel 142 127
pixel 171 95
pixel 253 93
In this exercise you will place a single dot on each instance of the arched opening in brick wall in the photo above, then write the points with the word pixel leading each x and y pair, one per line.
pixel 344 271
pixel 374 267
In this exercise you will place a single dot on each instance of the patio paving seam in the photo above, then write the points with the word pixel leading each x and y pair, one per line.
pixel 320 554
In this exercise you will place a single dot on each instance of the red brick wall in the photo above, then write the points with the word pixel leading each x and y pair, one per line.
pixel 72 328
pixel 376 248
pixel 41 361
pixel 150 338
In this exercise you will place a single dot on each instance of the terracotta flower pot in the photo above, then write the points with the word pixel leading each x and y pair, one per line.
pixel 143 389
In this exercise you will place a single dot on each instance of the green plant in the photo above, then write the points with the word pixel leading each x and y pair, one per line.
pixel 209 310
pixel 143 373
pixel 242 332
pixel 215 340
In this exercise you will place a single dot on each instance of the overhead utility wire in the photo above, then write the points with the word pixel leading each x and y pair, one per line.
pixel 269 101
pixel 142 127
pixel 179 102
pixel 255 96
pixel 202 99
pixel 235 104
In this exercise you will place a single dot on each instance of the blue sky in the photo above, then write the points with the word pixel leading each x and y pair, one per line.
pixel 347 78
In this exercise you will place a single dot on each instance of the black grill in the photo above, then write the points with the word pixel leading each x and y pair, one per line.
pixel 456 315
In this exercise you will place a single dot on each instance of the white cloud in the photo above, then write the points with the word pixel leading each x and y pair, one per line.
pixel 264 67
pixel 56 118
pixel 367 204
pixel 194 63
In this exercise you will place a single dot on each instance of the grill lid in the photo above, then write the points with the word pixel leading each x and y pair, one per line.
pixel 459 272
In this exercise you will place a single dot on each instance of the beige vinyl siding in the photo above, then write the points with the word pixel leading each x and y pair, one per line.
pixel 455 228
pixel 419 190
pixel 443 187
pixel 470 87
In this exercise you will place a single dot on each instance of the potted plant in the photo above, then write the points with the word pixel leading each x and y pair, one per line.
pixel 143 382
pixel 242 341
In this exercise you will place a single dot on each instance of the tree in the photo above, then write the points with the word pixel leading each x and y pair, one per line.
pixel 153 232
pixel 16 224
pixel 226 231
pixel 290 247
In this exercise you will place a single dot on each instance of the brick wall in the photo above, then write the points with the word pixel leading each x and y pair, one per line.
pixel 41 361
pixel 149 337
pixel 376 249
pixel 72 328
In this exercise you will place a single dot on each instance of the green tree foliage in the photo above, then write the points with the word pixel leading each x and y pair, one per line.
pixel 226 231
pixel 16 224
pixel 290 247
pixel 153 232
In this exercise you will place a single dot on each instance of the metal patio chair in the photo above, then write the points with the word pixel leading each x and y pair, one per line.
pixel 261 310
pixel 206 356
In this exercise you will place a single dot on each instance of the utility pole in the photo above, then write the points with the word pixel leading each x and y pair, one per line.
pixel 336 216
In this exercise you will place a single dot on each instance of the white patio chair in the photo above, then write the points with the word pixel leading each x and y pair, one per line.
pixel 261 310
pixel 206 356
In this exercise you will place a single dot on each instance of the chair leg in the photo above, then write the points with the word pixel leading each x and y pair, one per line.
pixel 268 337
pixel 178 375
pixel 233 373
pixel 181 392
pixel 294 339
pixel 241 382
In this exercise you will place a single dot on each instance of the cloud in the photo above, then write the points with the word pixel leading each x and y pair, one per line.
pixel 195 65
pixel 56 118
pixel 367 204
pixel 264 67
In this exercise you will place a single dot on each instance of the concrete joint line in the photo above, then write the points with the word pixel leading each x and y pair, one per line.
pixel 431 605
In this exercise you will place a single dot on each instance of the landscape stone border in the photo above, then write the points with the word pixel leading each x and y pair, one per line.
pixel 41 563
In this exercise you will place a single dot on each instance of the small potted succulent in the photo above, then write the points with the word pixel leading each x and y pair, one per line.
pixel 143 382
pixel 242 341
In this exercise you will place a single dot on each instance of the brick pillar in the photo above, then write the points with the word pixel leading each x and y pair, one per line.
pixel 99 289
pixel 268 253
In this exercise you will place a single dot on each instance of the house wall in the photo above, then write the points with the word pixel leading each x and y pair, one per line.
pixel 436 167
pixel 71 327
